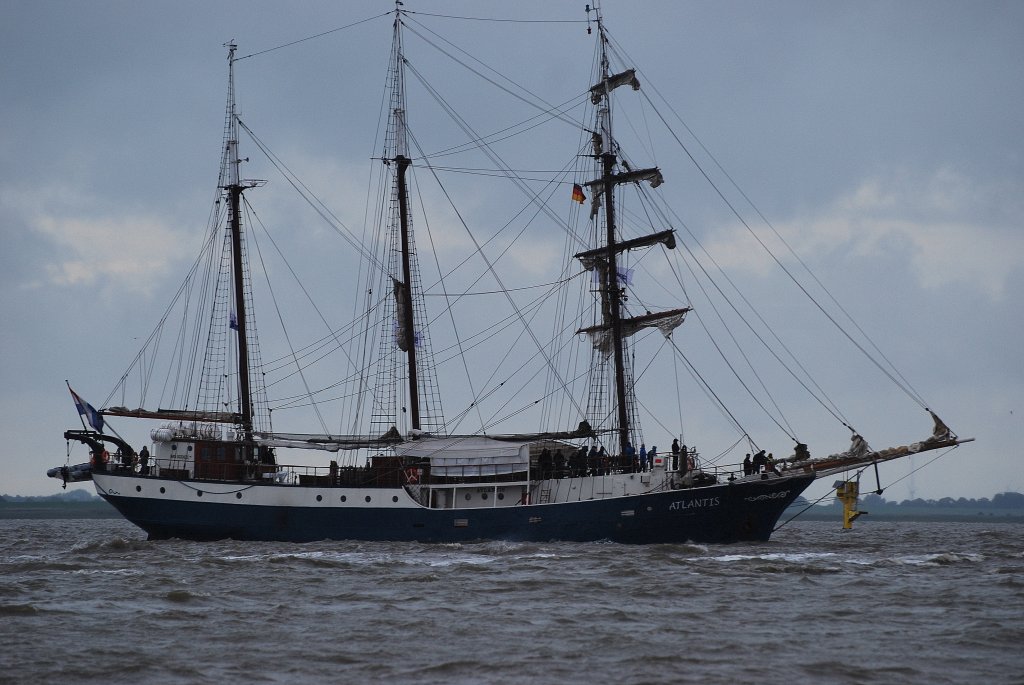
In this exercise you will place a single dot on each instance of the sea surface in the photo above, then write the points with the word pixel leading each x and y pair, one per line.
pixel 94 601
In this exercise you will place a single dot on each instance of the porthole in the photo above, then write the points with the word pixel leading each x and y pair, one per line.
pixel 138 488
pixel 238 495
pixel 319 498
pixel 501 495
pixel 394 498
pixel 469 496
pixel 199 493
pixel 162 490
pixel 483 496
pixel 367 498
pixel 344 498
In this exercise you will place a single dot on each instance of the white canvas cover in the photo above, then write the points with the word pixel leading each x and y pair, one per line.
pixel 468 456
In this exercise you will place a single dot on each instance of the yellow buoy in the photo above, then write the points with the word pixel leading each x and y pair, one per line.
pixel 847 491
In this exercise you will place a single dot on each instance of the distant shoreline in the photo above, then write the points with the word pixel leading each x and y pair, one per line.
pixel 942 516
pixel 93 509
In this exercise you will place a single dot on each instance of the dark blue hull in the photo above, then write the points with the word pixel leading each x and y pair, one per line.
pixel 746 511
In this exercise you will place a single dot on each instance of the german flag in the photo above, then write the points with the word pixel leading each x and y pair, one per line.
pixel 577 193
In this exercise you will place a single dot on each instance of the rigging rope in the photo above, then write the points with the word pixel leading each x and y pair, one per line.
pixel 319 35
pixel 280 317
pixel 479 249
pixel 894 376
pixel 492 19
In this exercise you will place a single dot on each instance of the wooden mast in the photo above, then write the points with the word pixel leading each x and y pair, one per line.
pixel 402 162
pixel 234 190
pixel 614 292
pixel 613 313
pixel 406 303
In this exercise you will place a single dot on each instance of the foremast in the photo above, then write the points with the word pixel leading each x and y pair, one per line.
pixel 234 191
pixel 224 386
pixel 610 334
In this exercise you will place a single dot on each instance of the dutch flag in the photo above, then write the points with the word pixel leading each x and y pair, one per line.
pixel 88 411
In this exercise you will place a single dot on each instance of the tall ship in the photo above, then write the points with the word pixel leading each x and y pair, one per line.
pixel 574 433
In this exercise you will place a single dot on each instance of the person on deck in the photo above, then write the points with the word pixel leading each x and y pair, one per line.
pixel 748 467
pixel 643 457
pixel 99 459
pixel 544 463
pixel 759 461
pixel 675 453
pixel 144 461
pixel 559 460
pixel 580 462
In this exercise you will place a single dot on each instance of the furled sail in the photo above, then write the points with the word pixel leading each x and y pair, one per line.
pixel 403 324
pixel 590 257
pixel 653 175
pixel 330 443
pixel 584 430
pixel 186 415
pixel 666 322
pixel 609 84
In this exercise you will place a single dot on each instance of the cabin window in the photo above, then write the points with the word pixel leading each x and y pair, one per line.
pixel 319 498
pixel 238 495
pixel 394 498
pixel 163 490
pixel 344 498
pixel 138 488
pixel 483 496
pixel 469 496
pixel 367 498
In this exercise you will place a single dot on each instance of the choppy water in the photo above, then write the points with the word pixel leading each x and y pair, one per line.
pixel 85 601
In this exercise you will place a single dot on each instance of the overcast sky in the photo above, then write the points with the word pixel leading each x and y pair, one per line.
pixel 884 139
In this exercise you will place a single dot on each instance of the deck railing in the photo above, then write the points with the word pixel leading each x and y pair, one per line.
pixel 390 472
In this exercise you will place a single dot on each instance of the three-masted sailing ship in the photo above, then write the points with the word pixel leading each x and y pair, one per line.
pixel 218 469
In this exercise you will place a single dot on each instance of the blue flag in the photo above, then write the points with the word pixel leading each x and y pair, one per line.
pixel 88 411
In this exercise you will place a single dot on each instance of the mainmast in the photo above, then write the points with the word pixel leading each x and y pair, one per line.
pixel 408 333
pixel 406 361
pixel 403 289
